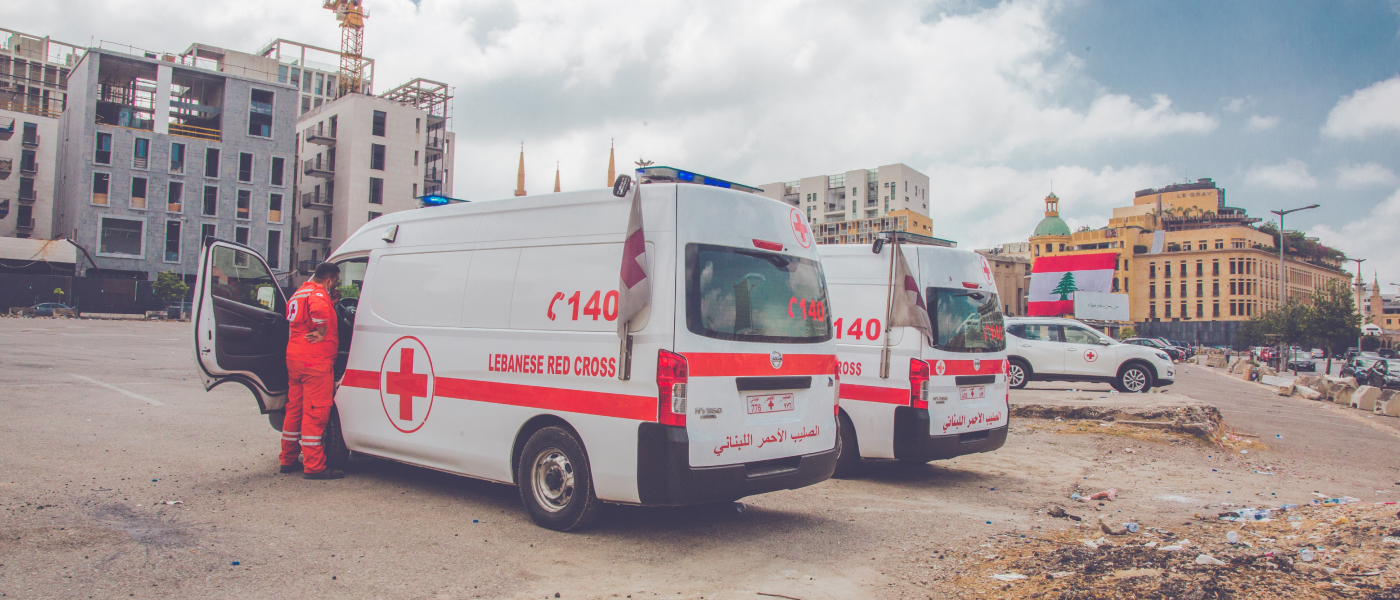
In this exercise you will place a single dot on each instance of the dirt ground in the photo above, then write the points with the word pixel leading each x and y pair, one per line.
pixel 107 423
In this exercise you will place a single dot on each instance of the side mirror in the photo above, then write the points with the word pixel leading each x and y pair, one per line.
pixel 622 185
pixel 878 245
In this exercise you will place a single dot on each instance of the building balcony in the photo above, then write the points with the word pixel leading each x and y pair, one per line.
pixel 313 137
pixel 7 166
pixel 315 168
pixel 30 141
pixel 306 267
pixel 313 235
pixel 26 196
pixel 433 175
pixel 25 224
pixel 315 200
pixel 436 144
pixel 30 168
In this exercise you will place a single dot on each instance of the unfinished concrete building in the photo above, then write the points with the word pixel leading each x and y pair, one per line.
pixel 33 92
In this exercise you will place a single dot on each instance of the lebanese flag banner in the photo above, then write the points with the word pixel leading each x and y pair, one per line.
pixel 907 304
pixel 634 287
pixel 1055 279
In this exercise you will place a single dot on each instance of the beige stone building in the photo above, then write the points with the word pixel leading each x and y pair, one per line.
pixel 1012 276
pixel 1185 256
pixel 855 206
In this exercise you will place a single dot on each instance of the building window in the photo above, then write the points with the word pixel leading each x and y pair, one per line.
pixel 103 153
pixel 260 114
pixel 1183 290
pixel 138 193
pixel 245 167
pixel 1249 309
pixel 1233 308
pixel 278 164
pixel 211 201
pixel 376 190
pixel 207 232
pixel 100 183
pixel 1152 311
pixel 1168 267
pixel 1215 309
pixel 1115 284
pixel 415 158
pixel 274 249
pixel 320 81
pixel 141 154
pixel 376 157
pixel 1167 291
pixel 177 158
pixel 1152 290
pixel 211 162
pixel 245 205
pixel 175 197
pixel 1152 270
pixel 1200 268
pixel 377 127
pixel 172 241
pixel 1219 244
pixel 274 208
pixel 306 102
pixel 1233 289
pixel 122 237
pixel 1200 289
pixel 1200 310
pixel 1167 310
pixel 375 215
pixel 240 235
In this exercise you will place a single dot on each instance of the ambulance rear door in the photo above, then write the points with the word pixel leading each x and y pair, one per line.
pixel 754 326
pixel 240 323
pixel 967 364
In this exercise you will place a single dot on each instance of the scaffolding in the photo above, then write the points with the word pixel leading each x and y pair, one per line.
pixel 432 97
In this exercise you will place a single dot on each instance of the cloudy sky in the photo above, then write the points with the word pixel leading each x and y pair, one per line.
pixel 1283 103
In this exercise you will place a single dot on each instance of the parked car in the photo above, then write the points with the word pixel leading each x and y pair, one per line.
pixel 46 309
pixel 1053 349
pixel 1358 366
pixel 1387 353
pixel 1318 353
pixel 1173 353
pixel 1188 347
pixel 1299 360
pixel 1384 373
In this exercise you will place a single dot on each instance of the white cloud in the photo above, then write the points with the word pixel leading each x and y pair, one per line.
pixel 1258 123
pixel 1292 174
pixel 1370 110
pixel 1370 237
pixel 1235 105
pixel 1364 175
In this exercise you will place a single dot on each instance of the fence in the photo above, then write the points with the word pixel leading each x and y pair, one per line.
pixel 88 294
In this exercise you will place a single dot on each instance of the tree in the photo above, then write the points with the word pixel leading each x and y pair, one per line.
pixel 349 291
pixel 1253 332
pixel 1335 324
pixel 1066 286
pixel 1290 325
pixel 1127 332
pixel 170 287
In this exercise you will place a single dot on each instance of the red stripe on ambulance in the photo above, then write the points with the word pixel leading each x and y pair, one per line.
pixel 622 406
pixel 871 393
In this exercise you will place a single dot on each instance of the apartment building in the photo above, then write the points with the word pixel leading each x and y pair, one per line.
pixel 855 206
pixel 1184 256
pixel 162 151
pixel 313 69
pixel 33 91
pixel 366 156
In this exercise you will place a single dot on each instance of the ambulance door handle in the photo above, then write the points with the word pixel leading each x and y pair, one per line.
pixel 1025 345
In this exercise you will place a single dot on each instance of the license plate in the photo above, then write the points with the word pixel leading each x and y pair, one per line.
pixel 770 403
pixel 975 392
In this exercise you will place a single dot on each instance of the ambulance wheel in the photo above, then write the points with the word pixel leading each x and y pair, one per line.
pixel 556 484
pixel 333 443
pixel 848 452
pixel 1018 373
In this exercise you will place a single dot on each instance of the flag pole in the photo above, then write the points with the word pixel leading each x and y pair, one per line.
pixel 624 370
pixel 889 303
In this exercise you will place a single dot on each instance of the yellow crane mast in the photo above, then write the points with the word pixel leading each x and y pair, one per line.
pixel 352 15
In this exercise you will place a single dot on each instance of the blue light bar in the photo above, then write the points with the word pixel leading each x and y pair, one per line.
pixel 672 174
pixel 437 200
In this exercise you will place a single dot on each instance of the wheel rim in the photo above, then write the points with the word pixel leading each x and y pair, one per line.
pixel 1016 375
pixel 553 480
pixel 1135 380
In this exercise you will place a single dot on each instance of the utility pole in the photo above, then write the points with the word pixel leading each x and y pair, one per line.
pixel 1360 289
pixel 1283 243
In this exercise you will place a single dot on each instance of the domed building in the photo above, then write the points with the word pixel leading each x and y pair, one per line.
pixel 1052 233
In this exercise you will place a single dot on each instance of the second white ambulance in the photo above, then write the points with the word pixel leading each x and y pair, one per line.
pixel 939 400
pixel 484 343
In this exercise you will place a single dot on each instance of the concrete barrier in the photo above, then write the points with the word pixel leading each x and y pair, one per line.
pixel 1366 397
pixel 1307 392
pixel 1285 390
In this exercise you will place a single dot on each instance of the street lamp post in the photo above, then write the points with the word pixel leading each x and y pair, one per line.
pixel 1282 243
pixel 1360 287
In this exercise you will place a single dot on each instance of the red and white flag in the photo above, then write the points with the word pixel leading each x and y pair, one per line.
pixel 907 308
pixel 634 285
pixel 1055 279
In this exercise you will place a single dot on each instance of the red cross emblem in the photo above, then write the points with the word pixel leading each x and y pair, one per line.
pixel 939 368
pixel 1091 355
pixel 986 271
pixel 406 384
pixel 799 228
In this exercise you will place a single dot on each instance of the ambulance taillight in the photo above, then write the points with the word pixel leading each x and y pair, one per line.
pixel 672 375
pixel 918 383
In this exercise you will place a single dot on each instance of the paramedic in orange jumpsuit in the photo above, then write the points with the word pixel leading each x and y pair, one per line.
pixel 311 352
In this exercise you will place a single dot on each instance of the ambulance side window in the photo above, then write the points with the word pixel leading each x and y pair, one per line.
pixel 352 276
pixel 237 276
pixel 421 288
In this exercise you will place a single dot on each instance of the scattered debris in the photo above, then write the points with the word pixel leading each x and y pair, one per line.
pixel 1108 494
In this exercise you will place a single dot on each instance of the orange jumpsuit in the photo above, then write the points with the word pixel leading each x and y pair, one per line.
pixel 310 376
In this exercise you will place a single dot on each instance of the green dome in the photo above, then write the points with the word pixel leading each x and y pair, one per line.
pixel 1051 226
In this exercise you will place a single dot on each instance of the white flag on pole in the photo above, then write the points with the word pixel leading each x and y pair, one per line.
pixel 907 307
pixel 634 287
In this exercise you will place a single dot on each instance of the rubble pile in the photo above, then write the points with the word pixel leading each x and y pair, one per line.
pixel 1331 549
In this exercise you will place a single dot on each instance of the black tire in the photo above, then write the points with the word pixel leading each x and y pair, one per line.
pixel 1134 379
pixel 333 443
pixel 848 460
pixel 1018 373
pixel 556 483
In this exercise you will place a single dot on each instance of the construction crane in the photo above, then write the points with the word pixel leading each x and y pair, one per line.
pixel 352 15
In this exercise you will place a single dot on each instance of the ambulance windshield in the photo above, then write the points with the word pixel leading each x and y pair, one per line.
pixel 750 295
pixel 966 320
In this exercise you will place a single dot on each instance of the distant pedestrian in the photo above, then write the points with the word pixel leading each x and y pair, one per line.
pixel 311 350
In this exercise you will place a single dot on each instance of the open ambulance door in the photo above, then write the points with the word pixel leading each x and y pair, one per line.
pixel 240 325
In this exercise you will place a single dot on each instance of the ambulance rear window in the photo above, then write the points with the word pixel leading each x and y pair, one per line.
pixel 966 320
pixel 749 295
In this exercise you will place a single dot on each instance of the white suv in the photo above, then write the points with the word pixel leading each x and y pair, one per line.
pixel 1053 349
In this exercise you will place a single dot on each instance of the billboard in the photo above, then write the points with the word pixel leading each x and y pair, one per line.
pixel 1098 306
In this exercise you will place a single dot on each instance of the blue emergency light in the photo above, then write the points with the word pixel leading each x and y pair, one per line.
pixel 674 175
pixel 437 200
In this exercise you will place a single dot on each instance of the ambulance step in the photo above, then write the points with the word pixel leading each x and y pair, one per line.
pixel 765 468
pixel 974 437
pixel 763 384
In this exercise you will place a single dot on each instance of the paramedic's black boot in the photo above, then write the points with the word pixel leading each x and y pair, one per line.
pixel 325 474
pixel 292 468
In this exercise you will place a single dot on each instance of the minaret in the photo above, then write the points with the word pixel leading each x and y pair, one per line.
pixel 556 177
pixel 1376 306
pixel 612 170
pixel 520 175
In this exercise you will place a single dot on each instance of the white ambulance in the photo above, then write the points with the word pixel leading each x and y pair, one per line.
pixel 938 401
pixel 484 342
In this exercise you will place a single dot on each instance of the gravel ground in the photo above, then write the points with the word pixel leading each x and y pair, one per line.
pixel 108 422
